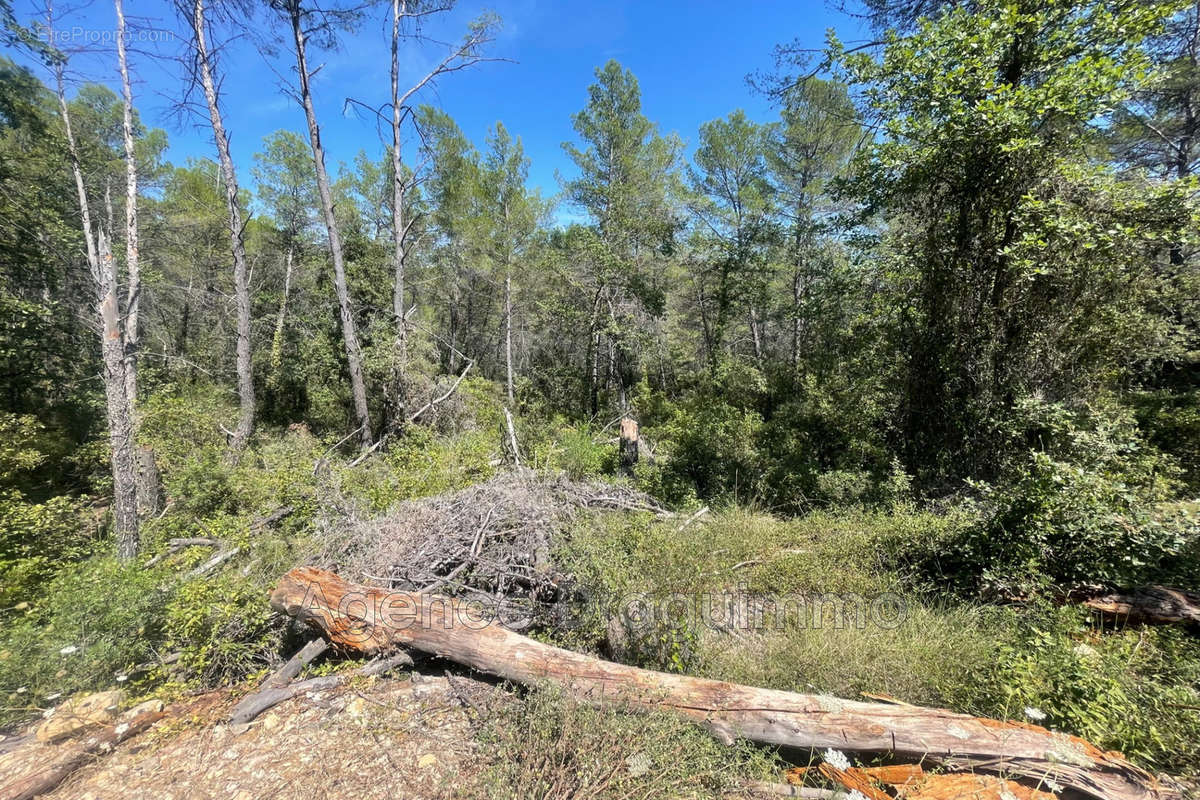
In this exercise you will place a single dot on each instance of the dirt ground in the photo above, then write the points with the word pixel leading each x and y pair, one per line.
pixel 379 738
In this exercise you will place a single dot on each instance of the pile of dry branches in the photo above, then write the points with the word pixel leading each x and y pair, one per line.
pixel 491 542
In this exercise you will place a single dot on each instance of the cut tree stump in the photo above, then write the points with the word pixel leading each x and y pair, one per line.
pixel 629 444
pixel 373 620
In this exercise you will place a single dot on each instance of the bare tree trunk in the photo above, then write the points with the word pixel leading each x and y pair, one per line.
pixel 280 321
pixel 349 331
pixel 132 334
pixel 508 316
pixel 241 286
pixel 400 345
pixel 119 418
pixel 120 421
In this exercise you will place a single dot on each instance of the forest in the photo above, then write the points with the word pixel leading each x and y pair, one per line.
pixel 929 334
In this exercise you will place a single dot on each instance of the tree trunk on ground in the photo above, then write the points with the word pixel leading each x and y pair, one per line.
pixel 349 330
pixel 373 620
pixel 73 758
pixel 133 301
pixel 241 288
pixel 1152 605
pixel 118 413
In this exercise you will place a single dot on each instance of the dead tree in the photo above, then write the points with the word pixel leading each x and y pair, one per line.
pixel 629 444
pixel 132 268
pixel 118 413
pixel 296 16
pixel 373 621
pixel 460 56
pixel 204 70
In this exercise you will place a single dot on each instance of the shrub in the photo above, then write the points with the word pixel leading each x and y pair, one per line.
pixel 95 621
pixel 1061 523
pixel 1083 507
pixel 1130 690
pixel 222 628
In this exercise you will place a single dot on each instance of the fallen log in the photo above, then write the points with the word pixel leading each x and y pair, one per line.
pixel 277 688
pixel 1152 605
pixel 49 777
pixel 373 620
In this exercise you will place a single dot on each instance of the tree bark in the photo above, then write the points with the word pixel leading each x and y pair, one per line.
pixel 508 354
pixel 398 378
pixel 374 620
pixel 241 286
pixel 349 329
pixel 120 420
pixel 112 346
pixel 133 298
pixel 280 321
pixel 1152 605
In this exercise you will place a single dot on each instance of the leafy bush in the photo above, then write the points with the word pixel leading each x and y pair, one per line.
pixel 1065 524
pixel 1131 690
pixel 222 628
pixel 94 622
pixel 36 538
pixel 1084 507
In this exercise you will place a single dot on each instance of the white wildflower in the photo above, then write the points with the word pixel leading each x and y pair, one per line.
pixel 66 651
pixel 122 678
pixel 836 758
pixel 21 690
pixel 1035 714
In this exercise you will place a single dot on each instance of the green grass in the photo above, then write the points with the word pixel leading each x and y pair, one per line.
pixel 1130 690
pixel 550 747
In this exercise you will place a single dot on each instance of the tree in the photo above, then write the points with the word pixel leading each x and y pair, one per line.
pixel 304 22
pixel 287 187
pixel 466 53
pixel 1018 267
pixel 104 275
pixel 735 211
pixel 134 296
pixel 513 214
pixel 204 73
pixel 627 185
pixel 809 148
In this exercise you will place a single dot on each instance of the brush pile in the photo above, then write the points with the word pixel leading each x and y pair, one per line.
pixel 491 543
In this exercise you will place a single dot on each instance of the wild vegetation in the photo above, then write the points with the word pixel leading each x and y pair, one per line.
pixel 930 335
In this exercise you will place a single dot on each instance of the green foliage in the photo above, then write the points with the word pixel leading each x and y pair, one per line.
pixel 222 628
pixel 1082 510
pixel 36 538
pixel 1132 690
pixel 578 451
pixel 553 747
pixel 94 621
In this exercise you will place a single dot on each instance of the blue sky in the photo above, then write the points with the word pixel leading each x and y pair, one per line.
pixel 691 59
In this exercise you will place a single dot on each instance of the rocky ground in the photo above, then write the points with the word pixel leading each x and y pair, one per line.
pixel 377 738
